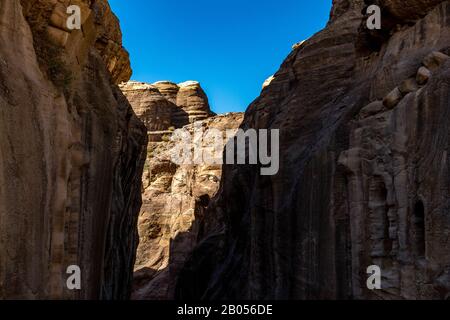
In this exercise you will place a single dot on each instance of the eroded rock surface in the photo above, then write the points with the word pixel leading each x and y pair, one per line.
pixel 167 104
pixel 364 170
pixel 174 196
pixel 71 153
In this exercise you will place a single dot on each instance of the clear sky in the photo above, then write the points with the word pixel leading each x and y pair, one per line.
pixel 229 46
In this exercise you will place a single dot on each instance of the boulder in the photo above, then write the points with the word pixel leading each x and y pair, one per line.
pixel 423 75
pixel 434 60
pixel 393 98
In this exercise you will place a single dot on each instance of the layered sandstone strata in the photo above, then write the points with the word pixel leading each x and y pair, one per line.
pixel 192 102
pixel 364 177
pixel 150 105
pixel 174 200
pixel 165 106
pixel 174 196
pixel 71 153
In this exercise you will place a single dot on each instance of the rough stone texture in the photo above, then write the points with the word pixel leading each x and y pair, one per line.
pixel 71 154
pixel 358 184
pixel 164 106
pixel 192 102
pixel 168 89
pixel 393 98
pixel 171 219
pixel 100 26
pixel 408 85
pixel 435 60
pixel 109 42
pixel 174 196
pixel 408 10
pixel 423 75
pixel 150 105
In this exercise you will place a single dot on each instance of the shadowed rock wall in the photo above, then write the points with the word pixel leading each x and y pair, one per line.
pixel 363 170
pixel 71 153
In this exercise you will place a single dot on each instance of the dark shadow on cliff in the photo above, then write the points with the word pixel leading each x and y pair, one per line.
pixel 179 118
pixel 152 284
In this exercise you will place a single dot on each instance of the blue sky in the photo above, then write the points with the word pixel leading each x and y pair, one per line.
pixel 229 46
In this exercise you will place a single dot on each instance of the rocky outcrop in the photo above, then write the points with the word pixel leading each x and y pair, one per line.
pixel 268 81
pixel 150 105
pixel 100 27
pixel 174 196
pixel 71 153
pixel 364 177
pixel 165 106
pixel 192 102
pixel 407 10
pixel 172 218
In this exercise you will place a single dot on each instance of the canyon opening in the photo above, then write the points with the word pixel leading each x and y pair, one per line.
pixel 308 160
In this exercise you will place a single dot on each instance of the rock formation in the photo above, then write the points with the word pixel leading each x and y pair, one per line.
pixel 193 104
pixel 153 108
pixel 71 153
pixel 364 169
pixel 167 104
pixel 364 165
pixel 174 196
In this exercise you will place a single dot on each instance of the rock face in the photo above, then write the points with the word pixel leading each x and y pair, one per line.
pixel 150 105
pixel 174 196
pixel 71 153
pixel 167 104
pixel 364 170
pixel 408 10
pixel 192 102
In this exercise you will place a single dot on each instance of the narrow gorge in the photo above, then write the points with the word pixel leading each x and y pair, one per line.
pixel 87 176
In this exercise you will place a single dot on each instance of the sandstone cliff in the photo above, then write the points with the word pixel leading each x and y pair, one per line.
pixel 164 104
pixel 71 153
pixel 364 169
pixel 174 196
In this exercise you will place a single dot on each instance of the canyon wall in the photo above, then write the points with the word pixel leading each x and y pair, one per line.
pixel 364 169
pixel 175 196
pixel 72 153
